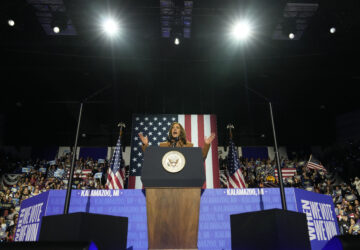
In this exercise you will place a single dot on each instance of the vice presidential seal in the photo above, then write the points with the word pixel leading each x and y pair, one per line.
pixel 173 161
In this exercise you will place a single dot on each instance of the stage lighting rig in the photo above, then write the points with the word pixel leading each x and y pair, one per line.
pixel 289 28
pixel 176 19
pixel 53 17
pixel 59 21
pixel 295 19
pixel 13 14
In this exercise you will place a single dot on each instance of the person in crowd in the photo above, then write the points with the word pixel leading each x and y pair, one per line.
pixel 357 184
pixel 3 228
pixel 344 224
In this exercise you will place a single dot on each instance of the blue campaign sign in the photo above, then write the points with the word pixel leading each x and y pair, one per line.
pixel 101 161
pixel 216 206
pixel 25 170
pixel 98 175
pixel 52 162
pixel 42 170
pixel 320 215
pixel 29 222
pixel 59 173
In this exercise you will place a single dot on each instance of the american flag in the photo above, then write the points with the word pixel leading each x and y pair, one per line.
pixel 156 128
pixel 286 172
pixel 116 171
pixel 223 178
pixel 236 178
pixel 315 164
pixel 79 173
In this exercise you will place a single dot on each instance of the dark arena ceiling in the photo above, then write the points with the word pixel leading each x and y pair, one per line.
pixel 310 79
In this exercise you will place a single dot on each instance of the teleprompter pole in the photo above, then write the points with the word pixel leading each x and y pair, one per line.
pixel 282 191
pixel 69 188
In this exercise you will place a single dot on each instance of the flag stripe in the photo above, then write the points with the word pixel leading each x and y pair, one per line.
pixel 188 127
pixel 200 130
pixel 131 182
pixel 109 180
pixel 214 153
pixel 208 160
pixel 181 120
pixel 239 177
pixel 138 183
pixel 194 132
pixel 117 180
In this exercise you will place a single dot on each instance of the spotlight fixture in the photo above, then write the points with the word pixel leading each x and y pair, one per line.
pixel 241 30
pixel 177 34
pixel 110 26
pixel 176 41
pixel 59 21
pixel 11 22
pixel 56 29
pixel 289 28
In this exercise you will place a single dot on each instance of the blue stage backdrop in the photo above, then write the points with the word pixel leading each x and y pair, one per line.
pixel 215 209
pixel 94 153
pixel 255 152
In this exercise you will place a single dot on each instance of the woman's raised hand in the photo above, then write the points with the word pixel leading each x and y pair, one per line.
pixel 144 139
pixel 209 139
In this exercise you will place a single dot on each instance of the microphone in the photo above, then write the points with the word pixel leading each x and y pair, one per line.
pixel 176 139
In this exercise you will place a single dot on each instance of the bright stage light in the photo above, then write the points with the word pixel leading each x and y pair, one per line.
pixel 11 22
pixel 332 30
pixel 110 27
pixel 241 30
pixel 291 36
pixel 177 41
pixel 56 29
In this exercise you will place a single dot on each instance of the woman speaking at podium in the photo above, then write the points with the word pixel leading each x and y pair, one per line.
pixel 177 138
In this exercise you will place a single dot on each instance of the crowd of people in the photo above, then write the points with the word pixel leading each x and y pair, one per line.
pixel 345 193
pixel 41 176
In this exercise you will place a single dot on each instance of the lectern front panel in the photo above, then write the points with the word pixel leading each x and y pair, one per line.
pixel 154 173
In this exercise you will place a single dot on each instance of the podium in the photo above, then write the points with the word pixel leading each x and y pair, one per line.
pixel 173 196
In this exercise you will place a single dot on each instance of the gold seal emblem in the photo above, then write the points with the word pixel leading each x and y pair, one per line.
pixel 173 161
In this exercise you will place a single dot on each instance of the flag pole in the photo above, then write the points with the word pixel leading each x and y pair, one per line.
pixel 121 125
pixel 230 127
